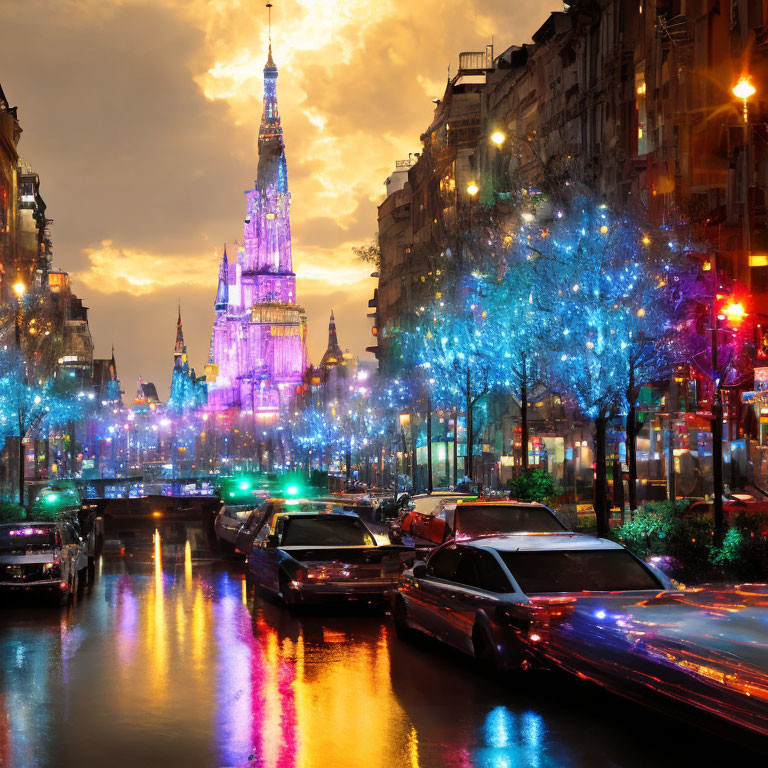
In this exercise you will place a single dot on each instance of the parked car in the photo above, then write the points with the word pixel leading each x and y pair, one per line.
pixel 437 518
pixel 228 521
pixel 486 597
pixel 734 504
pixel 42 556
pixel 262 516
pixel 307 555
pixel 362 504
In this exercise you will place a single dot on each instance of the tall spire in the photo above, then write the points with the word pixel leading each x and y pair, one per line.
pixel 333 355
pixel 179 350
pixel 222 294
pixel 272 171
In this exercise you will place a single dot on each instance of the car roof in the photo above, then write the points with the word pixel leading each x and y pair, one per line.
pixel 527 542
pixel 33 523
pixel 316 513
pixel 502 503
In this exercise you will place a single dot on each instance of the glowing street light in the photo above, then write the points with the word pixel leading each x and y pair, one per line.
pixel 498 138
pixel 744 90
pixel 472 189
pixel 734 312
pixel 19 289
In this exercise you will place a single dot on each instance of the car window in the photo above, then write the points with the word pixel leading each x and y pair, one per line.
pixel 484 519
pixel 257 518
pixel 592 570
pixel 442 564
pixel 68 534
pixel 466 573
pixel 20 539
pixel 323 531
pixel 491 577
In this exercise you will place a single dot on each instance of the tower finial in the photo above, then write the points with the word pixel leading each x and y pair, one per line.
pixel 269 23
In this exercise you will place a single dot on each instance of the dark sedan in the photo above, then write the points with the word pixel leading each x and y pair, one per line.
pixel 307 556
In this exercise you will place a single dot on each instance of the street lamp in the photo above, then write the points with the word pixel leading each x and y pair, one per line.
pixel 498 138
pixel 744 90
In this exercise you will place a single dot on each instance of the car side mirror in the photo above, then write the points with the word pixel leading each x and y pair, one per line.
pixel 420 570
pixel 272 540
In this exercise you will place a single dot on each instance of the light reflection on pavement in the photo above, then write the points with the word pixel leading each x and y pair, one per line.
pixel 170 660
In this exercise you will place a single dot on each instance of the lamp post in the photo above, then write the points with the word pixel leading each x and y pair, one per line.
pixel 19 289
pixel 744 90
pixel 429 436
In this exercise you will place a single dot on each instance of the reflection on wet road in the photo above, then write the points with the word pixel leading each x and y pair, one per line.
pixel 170 660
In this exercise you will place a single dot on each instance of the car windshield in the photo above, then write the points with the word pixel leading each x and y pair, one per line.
pixel 484 519
pixel 594 570
pixel 17 540
pixel 325 531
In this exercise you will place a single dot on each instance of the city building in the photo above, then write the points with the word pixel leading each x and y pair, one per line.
pixel 258 350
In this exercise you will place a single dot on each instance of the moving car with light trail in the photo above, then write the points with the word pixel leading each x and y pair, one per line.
pixel 493 596
pixel 308 555
pixel 700 655
pixel 42 556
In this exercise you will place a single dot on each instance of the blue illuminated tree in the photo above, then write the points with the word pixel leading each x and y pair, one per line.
pixel 612 291
pixel 27 401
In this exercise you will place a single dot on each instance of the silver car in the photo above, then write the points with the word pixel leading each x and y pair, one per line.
pixel 489 596
pixel 313 556
pixel 42 556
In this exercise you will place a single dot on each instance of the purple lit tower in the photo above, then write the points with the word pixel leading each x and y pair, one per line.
pixel 258 353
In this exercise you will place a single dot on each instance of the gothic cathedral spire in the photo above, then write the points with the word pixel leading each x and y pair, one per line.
pixel 272 171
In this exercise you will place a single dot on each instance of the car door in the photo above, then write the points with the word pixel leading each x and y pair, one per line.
pixel 263 563
pixel 248 530
pixel 430 602
pixel 464 601
pixel 480 581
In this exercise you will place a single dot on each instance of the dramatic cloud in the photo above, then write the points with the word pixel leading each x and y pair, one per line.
pixel 142 120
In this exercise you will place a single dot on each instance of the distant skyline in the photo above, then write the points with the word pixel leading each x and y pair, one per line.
pixel 142 120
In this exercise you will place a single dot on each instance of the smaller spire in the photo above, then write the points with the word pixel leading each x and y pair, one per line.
pixel 222 293
pixel 333 355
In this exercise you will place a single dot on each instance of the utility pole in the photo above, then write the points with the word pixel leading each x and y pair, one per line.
pixel 469 461
pixel 717 429
pixel 429 441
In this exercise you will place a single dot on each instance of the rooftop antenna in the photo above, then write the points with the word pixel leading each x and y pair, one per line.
pixel 269 21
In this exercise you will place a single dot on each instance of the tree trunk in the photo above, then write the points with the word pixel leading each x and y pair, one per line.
pixel 601 480
pixel 524 419
pixel 429 443
pixel 21 470
pixel 632 456
pixel 455 447
pixel 470 437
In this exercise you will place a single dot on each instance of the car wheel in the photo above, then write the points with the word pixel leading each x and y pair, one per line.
pixel 400 616
pixel 484 650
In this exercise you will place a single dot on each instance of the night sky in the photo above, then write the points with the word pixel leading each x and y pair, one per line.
pixel 142 120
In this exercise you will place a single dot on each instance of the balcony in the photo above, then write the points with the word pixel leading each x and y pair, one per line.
pixel 475 62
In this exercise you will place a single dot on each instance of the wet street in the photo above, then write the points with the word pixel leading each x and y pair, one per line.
pixel 170 660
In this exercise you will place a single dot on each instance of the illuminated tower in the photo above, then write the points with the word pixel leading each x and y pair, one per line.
pixel 333 354
pixel 259 354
